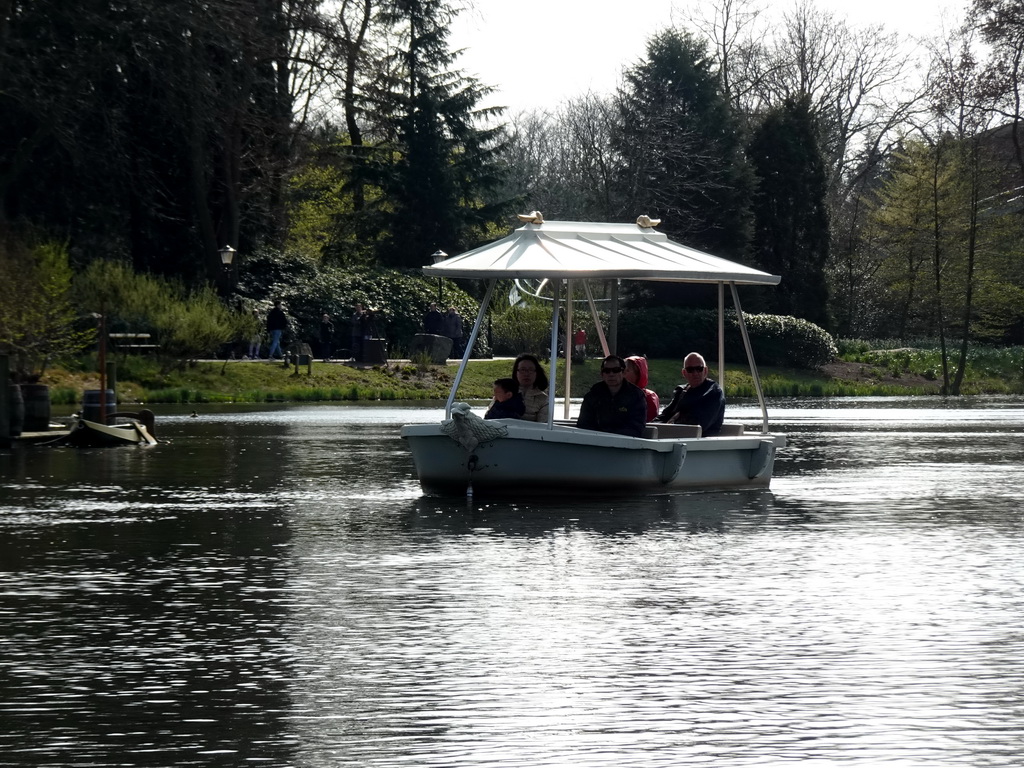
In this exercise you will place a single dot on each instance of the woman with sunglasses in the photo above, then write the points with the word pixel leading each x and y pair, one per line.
pixel 533 386
pixel 614 404
pixel 700 401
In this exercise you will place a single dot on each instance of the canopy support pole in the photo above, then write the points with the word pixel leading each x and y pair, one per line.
pixel 567 387
pixel 613 322
pixel 597 319
pixel 556 286
pixel 750 359
pixel 721 335
pixel 469 346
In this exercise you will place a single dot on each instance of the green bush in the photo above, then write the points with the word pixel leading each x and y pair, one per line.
pixel 521 329
pixel 398 299
pixel 672 332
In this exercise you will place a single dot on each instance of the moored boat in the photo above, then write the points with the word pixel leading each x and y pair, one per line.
pixel 132 429
pixel 92 434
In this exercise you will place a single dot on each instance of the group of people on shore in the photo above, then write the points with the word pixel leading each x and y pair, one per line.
pixel 620 403
pixel 448 324
pixel 362 323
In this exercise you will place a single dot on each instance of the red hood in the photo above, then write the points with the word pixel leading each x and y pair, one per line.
pixel 641 364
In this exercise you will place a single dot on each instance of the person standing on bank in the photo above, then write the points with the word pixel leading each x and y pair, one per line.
pixel 700 401
pixel 433 321
pixel 579 345
pixel 255 336
pixel 277 324
pixel 358 319
pixel 533 386
pixel 613 404
pixel 453 330
pixel 326 336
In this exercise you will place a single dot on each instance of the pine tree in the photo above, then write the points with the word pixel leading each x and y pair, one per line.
pixel 437 166
pixel 791 216
pixel 681 155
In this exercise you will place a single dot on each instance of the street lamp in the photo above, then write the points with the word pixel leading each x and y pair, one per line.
pixel 227 255
pixel 439 256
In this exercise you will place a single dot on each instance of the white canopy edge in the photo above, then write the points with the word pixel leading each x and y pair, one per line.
pixel 581 250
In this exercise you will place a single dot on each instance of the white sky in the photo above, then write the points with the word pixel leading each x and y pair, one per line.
pixel 538 53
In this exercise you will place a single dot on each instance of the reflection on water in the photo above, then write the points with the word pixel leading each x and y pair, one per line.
pixel 270 587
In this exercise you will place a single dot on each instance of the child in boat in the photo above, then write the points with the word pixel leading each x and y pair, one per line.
pixel 508 403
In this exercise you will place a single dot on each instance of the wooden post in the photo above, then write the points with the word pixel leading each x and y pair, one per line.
pixel 103 365
pixel 112 377
pixel 5 402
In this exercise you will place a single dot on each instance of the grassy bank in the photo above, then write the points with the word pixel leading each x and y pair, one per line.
pixel 139 380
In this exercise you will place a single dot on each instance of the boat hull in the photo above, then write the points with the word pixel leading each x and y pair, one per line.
pixel 90 434
pixel 535 459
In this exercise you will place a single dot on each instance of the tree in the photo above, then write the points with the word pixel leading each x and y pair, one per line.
pixel 791 217
pixel 855 80
pixel 1002 25
pixel 436 164
pixel 680 155
pixel 38 323
pixel 729 26
pixel 186 324
pixel 562 164
pixel 153 130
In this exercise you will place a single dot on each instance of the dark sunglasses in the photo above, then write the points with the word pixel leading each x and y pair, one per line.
pixel 694 368
pixel 611 370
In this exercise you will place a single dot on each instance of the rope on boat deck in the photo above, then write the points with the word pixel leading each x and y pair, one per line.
pixel 469 430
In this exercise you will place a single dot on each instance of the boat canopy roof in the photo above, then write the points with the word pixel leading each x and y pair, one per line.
pixel 579 250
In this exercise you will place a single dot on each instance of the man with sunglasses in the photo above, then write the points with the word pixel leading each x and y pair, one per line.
pixel 699 401
pixel 613 404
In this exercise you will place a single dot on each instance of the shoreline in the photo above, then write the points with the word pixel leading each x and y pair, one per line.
pixel 250 381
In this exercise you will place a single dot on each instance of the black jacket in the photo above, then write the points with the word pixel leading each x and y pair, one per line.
pixel 624 413
pixel 277 320
pixel 704 405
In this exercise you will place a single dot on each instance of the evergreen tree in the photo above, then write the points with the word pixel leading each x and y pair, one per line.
pixel 681 155
pixel 157 129
pixel 791 217
pixel 437 166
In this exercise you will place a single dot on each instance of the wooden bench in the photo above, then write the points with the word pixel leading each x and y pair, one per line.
pixel 126 341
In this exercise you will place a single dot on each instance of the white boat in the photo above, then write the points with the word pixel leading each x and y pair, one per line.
pixel 464 453
pixel 91 434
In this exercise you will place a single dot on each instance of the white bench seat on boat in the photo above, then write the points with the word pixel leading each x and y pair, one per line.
pixel 674 430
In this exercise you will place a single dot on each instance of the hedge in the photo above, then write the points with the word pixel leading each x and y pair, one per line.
pixel 776 340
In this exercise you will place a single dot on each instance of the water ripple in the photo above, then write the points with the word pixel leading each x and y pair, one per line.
pixel 299 603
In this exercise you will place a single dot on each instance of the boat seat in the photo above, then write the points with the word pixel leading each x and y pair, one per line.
pixel 678 430
pixel 731 430
pixel 650 432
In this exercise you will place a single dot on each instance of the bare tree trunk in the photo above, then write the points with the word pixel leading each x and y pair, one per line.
pixel 972 246
pixel 937 270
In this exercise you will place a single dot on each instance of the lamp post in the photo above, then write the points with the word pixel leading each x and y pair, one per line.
pixel 439 256
pixel 227 255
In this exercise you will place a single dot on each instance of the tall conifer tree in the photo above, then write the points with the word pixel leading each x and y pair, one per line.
pixel 682 158
pixel 438 179
pixel 791 217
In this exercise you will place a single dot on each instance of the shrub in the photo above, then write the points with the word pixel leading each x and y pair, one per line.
pixel 398 299
pixel 521 329
pixel 775 339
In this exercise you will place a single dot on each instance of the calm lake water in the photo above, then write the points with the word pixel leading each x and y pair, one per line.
pixel 270 588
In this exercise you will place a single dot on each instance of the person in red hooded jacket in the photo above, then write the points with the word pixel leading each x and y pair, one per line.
pixel 636 373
